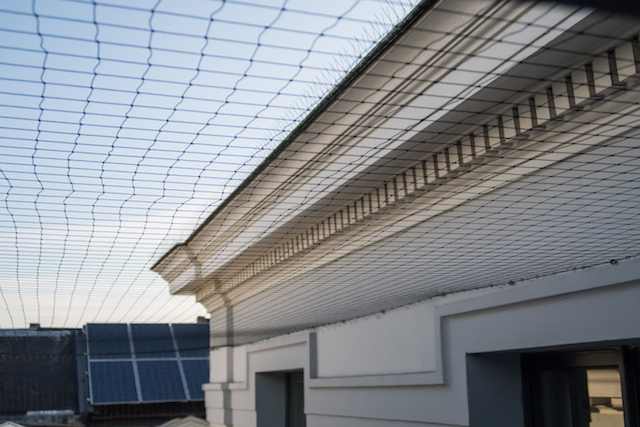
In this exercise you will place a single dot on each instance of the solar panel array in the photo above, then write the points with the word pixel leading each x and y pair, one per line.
pixel 146 363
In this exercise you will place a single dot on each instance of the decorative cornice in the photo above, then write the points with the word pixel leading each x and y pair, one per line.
pixel 497 137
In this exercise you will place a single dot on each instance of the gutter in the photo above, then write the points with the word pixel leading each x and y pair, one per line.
pixel 357 71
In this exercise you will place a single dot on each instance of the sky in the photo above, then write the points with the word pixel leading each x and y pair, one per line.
pixel 123 125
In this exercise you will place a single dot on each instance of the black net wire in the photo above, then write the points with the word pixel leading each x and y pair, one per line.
pixel 335 160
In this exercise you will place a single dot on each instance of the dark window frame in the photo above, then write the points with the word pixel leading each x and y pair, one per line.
pixel 294 406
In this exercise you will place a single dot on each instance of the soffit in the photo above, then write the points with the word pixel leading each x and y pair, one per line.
pixel 575 214
pixel 608 108
pixel 568 52
pixel 356 188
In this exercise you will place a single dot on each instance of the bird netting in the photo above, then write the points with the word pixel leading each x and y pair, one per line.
pixel 291 164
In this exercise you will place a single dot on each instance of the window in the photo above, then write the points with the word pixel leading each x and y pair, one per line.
pixel 582 389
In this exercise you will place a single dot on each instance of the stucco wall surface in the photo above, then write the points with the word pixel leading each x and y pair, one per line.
pixel 409 366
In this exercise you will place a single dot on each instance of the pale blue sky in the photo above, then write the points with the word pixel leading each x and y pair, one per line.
pixel 123 124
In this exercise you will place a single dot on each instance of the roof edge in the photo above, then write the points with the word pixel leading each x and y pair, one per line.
pixel 384 44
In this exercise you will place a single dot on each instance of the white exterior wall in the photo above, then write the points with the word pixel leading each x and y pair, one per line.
pixel 409 365
pixel 401 341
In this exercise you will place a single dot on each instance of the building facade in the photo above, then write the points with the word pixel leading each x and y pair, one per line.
pixel 449 239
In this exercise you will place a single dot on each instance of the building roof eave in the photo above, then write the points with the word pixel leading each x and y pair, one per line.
pixel 337 90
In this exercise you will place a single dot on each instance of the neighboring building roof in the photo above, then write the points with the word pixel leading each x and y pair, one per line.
pixel 38 370
pixel 461 156
pixel 143 373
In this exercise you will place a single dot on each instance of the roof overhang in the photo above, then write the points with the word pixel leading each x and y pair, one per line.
pixel 340 182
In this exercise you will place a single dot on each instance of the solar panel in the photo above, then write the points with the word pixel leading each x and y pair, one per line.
pixel 161 373
pixel 160 381
pixel 196 373
pixel 112 382
pixel 152 341
pixel 108 341
pixel 192 340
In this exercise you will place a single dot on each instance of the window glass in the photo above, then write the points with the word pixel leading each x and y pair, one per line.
pixel 605 398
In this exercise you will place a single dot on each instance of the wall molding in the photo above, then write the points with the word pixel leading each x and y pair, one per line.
pixel 599 277
pixel 627 272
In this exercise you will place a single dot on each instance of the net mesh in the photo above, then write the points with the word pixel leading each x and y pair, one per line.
pixel 335 159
